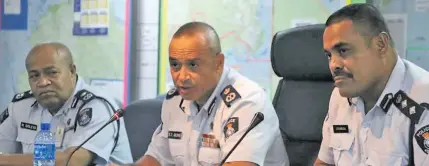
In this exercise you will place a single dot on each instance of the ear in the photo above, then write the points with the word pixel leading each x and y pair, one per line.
pixel 382 43
pixel 73 69
pixel 220 58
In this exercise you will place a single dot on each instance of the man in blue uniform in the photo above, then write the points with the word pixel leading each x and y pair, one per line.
pixel 74 110
pixel 210 108
pixel 378 110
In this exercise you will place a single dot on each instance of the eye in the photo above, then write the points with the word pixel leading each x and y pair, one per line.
pixel 174 65
pixel 52 72
pixel 328 55
pixel 342 50
pixel 32 76
pixel 193 65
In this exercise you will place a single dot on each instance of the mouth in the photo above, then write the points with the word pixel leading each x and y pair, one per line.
pixel 47 93
pixel 340 79
pixel 184 89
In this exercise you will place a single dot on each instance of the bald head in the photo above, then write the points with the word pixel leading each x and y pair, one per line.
pixel 204 31
pixel 59 50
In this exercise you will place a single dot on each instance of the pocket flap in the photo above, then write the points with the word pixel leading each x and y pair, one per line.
pixel 208 155
pixel 341 141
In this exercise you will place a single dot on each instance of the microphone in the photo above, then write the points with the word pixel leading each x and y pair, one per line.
pixel 116 116
pixel 258 118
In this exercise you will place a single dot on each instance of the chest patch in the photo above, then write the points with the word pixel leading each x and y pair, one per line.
pixel 422 138
pixel 85 116
pixel 231 127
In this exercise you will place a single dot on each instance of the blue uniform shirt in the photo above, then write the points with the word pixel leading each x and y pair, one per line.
pixel 380 137
pixel 71 125
pixel 190 136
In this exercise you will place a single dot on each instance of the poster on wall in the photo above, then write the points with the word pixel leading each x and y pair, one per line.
pixel 91 17
pixel 13 15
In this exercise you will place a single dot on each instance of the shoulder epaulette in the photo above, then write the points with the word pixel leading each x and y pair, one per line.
pixel 84 96
pixel 22 96
pixel 229 95
pixel 4 115
pixel 408 106
pixel 171 93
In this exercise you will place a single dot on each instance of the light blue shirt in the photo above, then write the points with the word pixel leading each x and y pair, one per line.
pixel 192 137
pixel 17 135
pixel 379 137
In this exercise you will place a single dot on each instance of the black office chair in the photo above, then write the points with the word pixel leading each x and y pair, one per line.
pixel 302 96
pixel 141 119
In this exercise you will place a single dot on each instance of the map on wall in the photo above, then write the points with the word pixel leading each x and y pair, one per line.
pixel 415 14
pixel 99 59
pixel 245 28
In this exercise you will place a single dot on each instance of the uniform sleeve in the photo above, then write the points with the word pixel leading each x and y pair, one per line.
pixel 254 147
pixel 326 153
pixel 421 140
pixel 159 146
pixel 89 119
pixel 8 132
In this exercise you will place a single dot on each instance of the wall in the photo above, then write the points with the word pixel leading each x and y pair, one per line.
pixel 100 59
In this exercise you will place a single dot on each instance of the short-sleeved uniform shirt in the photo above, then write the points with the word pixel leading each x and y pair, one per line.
pixel 80 116
pixel 194 136
pixel 380 137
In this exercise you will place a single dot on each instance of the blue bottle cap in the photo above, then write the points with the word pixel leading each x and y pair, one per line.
pixel 45 126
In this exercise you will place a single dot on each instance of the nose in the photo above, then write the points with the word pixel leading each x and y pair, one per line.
pixel 43 82
pixel 183 75
pixel 335 62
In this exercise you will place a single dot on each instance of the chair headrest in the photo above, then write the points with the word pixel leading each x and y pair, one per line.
pixel 297 54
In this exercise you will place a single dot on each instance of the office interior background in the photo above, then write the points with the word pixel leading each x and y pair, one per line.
pixel 121 45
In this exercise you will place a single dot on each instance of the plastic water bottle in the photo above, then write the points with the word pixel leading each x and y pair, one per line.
pixel 44 147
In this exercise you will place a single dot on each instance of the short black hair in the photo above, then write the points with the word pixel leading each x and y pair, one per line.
pixel 367 16
pixel 192 28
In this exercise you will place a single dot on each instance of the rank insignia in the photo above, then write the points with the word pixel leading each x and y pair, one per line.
pixel 229 95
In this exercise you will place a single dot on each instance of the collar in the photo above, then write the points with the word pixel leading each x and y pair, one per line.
pixel 190 108
pixel 394 84
pixel 79 85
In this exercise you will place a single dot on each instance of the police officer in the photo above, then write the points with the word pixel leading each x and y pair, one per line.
pixel 377 113
pixel 210 108
pixel 74 110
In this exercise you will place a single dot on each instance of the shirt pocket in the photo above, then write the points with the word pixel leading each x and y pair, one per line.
pixel 208 156
pixel 379 158
pixel 341 145
pixel 26 138
pixel 177 149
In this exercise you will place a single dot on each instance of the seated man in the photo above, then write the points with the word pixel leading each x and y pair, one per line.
pixel 376 113
pixel 74 110
pixel 210 108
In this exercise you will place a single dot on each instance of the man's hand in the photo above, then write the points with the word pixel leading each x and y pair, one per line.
pixel 319 162
pixel 147 160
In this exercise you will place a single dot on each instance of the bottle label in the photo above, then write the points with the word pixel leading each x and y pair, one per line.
pixel 44 151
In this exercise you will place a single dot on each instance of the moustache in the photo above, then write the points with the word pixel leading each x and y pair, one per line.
pixel 340 72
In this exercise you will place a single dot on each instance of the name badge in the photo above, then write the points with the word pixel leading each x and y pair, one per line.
pixel 341 129
pixel 28 126
pixel 59 136
pixel 174 135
